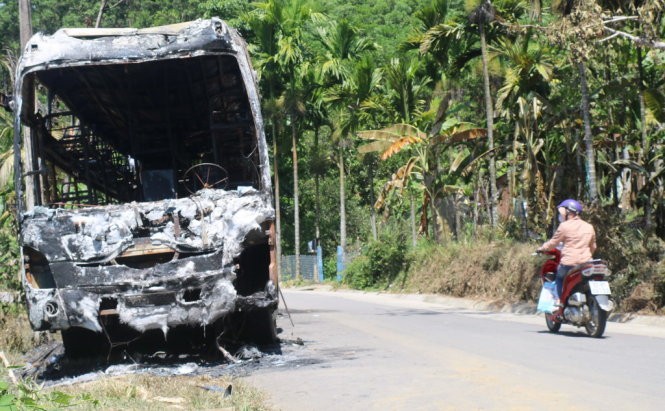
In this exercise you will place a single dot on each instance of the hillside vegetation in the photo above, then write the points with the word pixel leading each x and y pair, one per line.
pixel 454 124
pixel 506 271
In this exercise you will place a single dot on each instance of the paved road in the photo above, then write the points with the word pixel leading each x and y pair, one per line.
pixel 365 351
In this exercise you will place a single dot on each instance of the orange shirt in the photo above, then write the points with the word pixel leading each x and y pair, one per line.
pixel 579 241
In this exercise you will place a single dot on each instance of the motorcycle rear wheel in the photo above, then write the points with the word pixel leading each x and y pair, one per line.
pixel 552 325
pixel 595 327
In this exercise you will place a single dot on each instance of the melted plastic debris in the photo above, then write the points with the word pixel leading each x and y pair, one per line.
pixel 56 369
pixel 248 352
pixel 220 299
pixel 87 308
pixel 211 220
pixel 208 220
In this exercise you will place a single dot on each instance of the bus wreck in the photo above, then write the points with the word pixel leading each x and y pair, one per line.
pixel 144 193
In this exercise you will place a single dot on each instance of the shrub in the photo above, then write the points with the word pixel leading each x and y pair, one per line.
pixel 28 395
pixel 9 250
pixel 379 263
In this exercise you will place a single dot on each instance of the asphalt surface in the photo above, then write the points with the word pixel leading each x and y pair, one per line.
pixel 369 351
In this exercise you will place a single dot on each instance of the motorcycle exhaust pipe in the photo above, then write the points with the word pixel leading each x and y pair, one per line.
pixel 577 300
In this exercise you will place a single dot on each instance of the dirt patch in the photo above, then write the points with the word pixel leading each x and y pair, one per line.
pixel 641 299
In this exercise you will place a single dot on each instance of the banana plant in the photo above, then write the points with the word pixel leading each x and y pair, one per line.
pixel 421 171
pixel 652 169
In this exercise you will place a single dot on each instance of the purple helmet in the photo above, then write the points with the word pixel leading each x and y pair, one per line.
pixel 571 205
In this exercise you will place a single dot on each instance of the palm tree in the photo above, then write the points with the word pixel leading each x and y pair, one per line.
pixel 406 88
pixel 578 44
pixel 343 45
pixel 350 106
pixel 481 15
pixel 527 74
pixel 451 40
pixel 291 59
pixel 265 23
pixel 317 119
pixel 444 40
pixel 278 26
pixel 351 81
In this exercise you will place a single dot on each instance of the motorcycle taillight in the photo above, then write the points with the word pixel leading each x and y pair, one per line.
pixel 596 268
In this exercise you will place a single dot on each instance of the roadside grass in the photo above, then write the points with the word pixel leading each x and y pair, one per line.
pixel 488 270
pixel 16 337
pixel 505 271
pixel 149 392
pixel 136 392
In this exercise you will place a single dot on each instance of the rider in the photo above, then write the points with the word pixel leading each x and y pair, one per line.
pixel 578 238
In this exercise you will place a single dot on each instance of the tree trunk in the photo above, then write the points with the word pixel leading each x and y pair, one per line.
pixel 317 191
pixel 413 221
pixel 278 218
pixel 342 201
pixel 626 181
pixel 579 162
pixel 296 206
pixel 100 14
pixel 476 201
pixel 644 152
pixel 458 217
pixel 588 138
pixel 372 211
pixel 436 232
pixel 489 110
pixel 536 10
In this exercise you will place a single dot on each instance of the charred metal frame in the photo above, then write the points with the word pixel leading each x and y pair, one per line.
pixel 145 200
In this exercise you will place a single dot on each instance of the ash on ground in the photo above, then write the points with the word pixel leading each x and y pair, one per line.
pixel 48 364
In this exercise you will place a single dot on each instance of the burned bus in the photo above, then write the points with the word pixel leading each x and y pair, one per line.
pixel 144 196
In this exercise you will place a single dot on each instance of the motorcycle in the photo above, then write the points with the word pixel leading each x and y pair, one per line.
pixel 585 300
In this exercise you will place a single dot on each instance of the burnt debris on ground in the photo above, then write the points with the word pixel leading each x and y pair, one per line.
pixel 48 364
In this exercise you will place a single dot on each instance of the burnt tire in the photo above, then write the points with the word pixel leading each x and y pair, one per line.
pixel 260 327
pixel 595 327
pixel 84 343
pixel 257 327
pixel 553 326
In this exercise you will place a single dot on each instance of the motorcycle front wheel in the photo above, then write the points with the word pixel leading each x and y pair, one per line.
pixel 552 325
pixel 595 327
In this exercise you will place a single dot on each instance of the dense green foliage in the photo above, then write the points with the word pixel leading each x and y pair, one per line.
pixel 575 92
pixel 380 262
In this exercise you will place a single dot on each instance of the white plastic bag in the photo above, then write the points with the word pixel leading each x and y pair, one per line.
pixel 547 298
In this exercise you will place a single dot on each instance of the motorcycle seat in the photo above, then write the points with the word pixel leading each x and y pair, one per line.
pixel 577 267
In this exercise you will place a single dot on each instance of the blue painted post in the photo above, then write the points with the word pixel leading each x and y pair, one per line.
pixel 319 262
pixel 340 262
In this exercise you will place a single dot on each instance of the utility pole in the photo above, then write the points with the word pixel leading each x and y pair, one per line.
pixel 25 21
pixel 25 32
